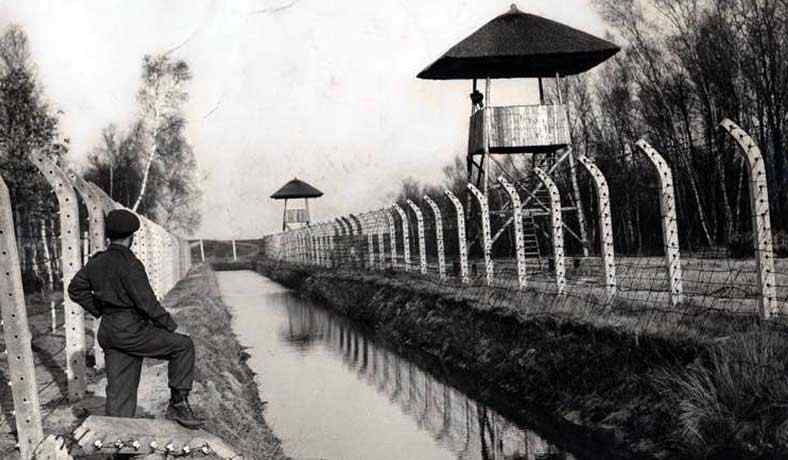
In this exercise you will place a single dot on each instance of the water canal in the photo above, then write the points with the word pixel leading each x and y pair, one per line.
pixel 334 393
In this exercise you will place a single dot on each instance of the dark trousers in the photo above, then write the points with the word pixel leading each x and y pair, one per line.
pixel 127 338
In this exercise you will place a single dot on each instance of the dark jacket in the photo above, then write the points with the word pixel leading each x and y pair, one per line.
pixel 115 279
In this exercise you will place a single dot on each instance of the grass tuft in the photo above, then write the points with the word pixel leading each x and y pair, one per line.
pixel 733 401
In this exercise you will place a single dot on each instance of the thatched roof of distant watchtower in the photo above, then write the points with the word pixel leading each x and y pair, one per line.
pixel 296 189
pixel 521 45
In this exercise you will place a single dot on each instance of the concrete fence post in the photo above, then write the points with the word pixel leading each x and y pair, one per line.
pixel 328 231
pixel 95 205
pixel 761 219
pixel 422 241
pixel 321 244
pixel 381 226
pixel 340 241
pixel 305 234
pixel 16 331
pixel 71 263
pixel 354 220
pixel 154 267
pixel 605 224
pixel 350 251
pixel 461 243
pixel 670 233
pixel 438 237
pixel 486 238
pixel 296 243
pixel 312 231
pixel 514 197
pixel 405 236
pixel 392 238
pixel 370 240
pixel 299 246
pixel 332 242
pixel 319 231
pixel 107 204
pixel 557 225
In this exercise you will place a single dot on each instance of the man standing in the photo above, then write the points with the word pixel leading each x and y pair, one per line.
pixel 113 285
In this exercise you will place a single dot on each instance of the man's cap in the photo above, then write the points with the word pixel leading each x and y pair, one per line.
pixel 121 223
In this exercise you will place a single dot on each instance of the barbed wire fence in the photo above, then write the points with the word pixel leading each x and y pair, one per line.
pixel 166 256
pixel 456 247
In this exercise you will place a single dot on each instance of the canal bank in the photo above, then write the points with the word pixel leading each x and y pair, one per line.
pixel 335 392
pixel 590 384
pixel 225 392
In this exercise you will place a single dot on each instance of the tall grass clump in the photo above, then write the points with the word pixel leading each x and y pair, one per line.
pixel 732 402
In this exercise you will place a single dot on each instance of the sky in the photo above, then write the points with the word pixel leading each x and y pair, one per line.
pixel 322 90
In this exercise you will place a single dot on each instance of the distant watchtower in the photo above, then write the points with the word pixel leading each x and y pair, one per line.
pixel 296 216
pixel 520 45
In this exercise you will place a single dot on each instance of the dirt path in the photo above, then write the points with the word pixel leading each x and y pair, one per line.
pixel 224 390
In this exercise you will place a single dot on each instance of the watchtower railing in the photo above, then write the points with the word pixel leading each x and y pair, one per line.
pixel 520 128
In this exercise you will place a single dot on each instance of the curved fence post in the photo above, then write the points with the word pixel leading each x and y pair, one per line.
pixel 94 203
pixel 292 239
pixel 324 230
pixel 370 241
pixel 357 242
pixel 95 207
pixel 438 236
pixel 557 227
pixel 422 242
pixel 154 256
pixel 311 250
pixel 309 247
pixel 16 330
pixel 605 224
pixel 318 236
pixel 350 250
pixel 328 229
pixel 340 241
pixel 107 205
pixel 392 238
pixel 761 219
pixel 71 262
pixel 670 233
pixel 302 244
pixel 518 230
pixel 405 236
pixel 487 242
pixel 381 226
pixel 297 255
pixel 461 245
pixel 332 241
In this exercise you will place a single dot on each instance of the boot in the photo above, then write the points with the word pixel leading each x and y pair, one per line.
pixel 181 411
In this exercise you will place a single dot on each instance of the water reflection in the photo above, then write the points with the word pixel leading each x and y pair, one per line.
pixel 457 423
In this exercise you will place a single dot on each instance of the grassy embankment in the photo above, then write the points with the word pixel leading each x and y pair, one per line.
pixel 670 384
pixel 224 390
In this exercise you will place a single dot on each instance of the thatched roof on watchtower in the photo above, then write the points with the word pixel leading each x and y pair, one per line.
pixel 521 45
pixel 296 189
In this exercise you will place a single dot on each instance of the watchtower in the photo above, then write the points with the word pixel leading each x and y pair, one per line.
pixel 296 216
pixel 520 45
